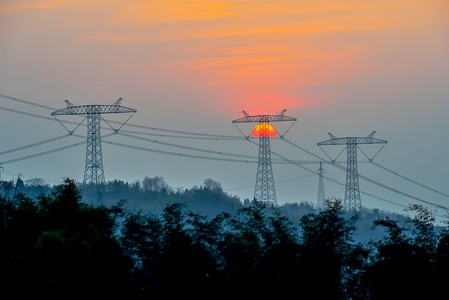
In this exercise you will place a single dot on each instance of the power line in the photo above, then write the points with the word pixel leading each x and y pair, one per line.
pixel 27 114
pixel 177 153
pixel 250 158
pixel 34 144
pixel 183 147
pixel 196 135
pixel 287 160
pixel 410 180
pixel 333 180
pixel 45 152
pixel 199 136
pixel 27 102
pixel 184 132
pixel 205 150
pixel 192 134
pixel 378 183
pixel 41 153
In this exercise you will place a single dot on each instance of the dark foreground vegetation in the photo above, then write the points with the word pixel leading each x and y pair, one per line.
pixel 56 245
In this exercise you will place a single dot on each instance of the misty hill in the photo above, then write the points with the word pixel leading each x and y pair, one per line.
pixel 154 194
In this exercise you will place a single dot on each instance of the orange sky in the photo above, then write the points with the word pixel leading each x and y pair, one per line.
pixel 254 54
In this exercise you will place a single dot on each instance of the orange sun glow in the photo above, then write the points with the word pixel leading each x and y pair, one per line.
pixel 264 129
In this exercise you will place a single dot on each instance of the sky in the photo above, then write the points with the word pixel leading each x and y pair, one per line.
pixel 190 68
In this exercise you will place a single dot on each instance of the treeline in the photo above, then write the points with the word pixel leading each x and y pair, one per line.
pixel 57 245
pixel 150 194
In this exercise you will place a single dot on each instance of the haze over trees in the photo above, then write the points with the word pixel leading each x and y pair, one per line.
pixel 54 242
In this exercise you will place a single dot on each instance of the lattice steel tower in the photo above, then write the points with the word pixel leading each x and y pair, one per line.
pixel 320 203
pixel 264 192
pixel 352 201
pixel 93 172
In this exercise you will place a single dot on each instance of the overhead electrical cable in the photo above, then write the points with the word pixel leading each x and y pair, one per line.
pixel 109 121
pixel 183 147
pixel 48 151
pixel 182 132
pixel 199 137
pixel 221 153
pixel 410 180
pixel 41 153
pixel 331 179
pixel 371 161
pixel 377 183
pixel 195 135
pixel 176 153
pixel 34 144
pixel 27 113
pixel 27 102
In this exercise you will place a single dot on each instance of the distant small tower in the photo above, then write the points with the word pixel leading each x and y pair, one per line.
pixel 320 203
pixel 264 192
pixel 352 201
pixel 93 172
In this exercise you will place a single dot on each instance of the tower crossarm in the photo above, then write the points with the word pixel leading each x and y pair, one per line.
pixel 370 139
pixel 93 109
pixel 93 171
pixel 356 140
pixel 264 118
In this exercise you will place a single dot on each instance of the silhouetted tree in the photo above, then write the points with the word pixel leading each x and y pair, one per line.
pixel 442 263
pixel 155 184
pixel 142 241
pixel 404 264
pixel 58 244
pixel 326 246
pixel 70 248
pixel 182 260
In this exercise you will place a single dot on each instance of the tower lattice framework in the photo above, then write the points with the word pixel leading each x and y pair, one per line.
pixel 264 191
pixel 352 200
pixel 321 198
pixel 93 171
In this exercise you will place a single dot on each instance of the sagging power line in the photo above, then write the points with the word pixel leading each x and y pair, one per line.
pixel 216 155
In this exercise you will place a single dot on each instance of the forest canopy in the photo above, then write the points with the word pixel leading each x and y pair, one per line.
pixel 58 243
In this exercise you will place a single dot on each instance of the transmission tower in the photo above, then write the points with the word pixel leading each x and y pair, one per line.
pixel 93 172
pixel 264 192
pixel 321 197
pixel 352 201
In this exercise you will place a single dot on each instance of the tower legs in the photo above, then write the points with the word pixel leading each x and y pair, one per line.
pixel 265 192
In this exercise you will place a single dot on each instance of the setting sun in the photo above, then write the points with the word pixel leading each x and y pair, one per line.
pixel 264 129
